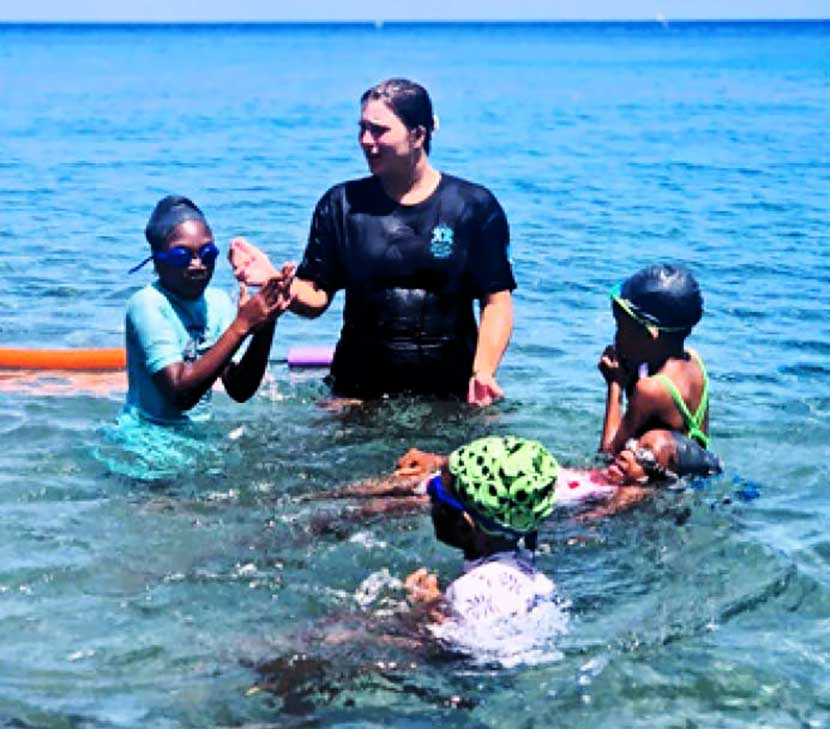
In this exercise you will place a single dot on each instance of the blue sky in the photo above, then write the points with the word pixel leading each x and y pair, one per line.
pixel 317 10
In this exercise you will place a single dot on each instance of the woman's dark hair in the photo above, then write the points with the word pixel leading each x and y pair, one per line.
pixel 409 101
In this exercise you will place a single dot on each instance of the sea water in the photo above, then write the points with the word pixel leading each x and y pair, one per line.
pixel 143 591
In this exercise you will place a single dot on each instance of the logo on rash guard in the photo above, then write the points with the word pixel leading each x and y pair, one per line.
pixel 442 241
pixel 195 345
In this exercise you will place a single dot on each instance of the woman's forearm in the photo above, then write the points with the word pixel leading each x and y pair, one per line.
pixel 495 328
pixel 308 300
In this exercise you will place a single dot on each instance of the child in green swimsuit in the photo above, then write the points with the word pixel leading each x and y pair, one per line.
pixel 665 384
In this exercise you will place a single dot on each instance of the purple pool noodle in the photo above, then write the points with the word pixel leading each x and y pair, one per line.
pixel 310 356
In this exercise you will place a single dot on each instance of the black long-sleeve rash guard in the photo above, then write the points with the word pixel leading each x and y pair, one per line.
pixel 411 274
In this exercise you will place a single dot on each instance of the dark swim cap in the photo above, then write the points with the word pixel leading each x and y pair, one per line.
pixel 169 212
pixel 693 460
pixel 662 296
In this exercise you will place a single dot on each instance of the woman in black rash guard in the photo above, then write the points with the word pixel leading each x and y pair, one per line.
pixel 413 248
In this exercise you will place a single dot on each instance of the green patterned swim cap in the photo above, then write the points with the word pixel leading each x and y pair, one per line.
pixel 506 479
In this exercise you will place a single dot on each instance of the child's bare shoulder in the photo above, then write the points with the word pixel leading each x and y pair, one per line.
pixel 651 400
pixel 684 372
pixel 649 389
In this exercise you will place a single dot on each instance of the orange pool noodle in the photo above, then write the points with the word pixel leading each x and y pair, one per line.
pixel 63 359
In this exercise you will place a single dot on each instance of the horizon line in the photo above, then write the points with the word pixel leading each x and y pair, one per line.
pixel 417 21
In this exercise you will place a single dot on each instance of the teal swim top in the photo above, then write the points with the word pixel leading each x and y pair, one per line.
pixel 693 423
pixel 162 329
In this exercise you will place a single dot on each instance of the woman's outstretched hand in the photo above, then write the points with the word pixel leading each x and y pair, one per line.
pixel 250 265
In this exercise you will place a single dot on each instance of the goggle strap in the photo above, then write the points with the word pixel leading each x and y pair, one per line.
pixel 140 265
pixel 625 305
pixel 486 524
pixel 442 495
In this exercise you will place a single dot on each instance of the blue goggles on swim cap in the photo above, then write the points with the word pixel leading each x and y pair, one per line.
pixel 180 257
pixel 437 492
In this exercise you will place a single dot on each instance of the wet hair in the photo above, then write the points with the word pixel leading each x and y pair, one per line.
pixel 169 212
pixel 409 101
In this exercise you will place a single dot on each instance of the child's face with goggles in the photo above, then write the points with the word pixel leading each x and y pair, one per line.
pixel 650 457
pixel 632 340
pixel 185 264
pixel 626 468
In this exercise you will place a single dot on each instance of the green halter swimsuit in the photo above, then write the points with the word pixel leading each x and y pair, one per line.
pixel 693 423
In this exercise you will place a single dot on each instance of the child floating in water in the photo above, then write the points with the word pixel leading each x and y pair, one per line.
pixel 181 335
pixel 660 456
pixel 665 384
pixel 488 497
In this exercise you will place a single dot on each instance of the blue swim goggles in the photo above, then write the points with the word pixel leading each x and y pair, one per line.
pixel 180 257
pixel 437 492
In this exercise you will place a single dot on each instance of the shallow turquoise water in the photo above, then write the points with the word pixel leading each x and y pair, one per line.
pixel 147 601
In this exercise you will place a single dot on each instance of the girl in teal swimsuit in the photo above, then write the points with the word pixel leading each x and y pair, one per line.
pixel 666 385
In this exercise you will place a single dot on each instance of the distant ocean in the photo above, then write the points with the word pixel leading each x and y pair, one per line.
pixel 140 584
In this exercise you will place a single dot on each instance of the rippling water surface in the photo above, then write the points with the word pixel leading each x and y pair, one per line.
pixel 144 592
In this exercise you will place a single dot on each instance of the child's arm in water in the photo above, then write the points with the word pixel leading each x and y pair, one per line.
pixel 411 469
pixel 626 497
pixel 392 496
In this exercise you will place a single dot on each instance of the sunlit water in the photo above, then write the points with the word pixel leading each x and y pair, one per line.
pixel 144 578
